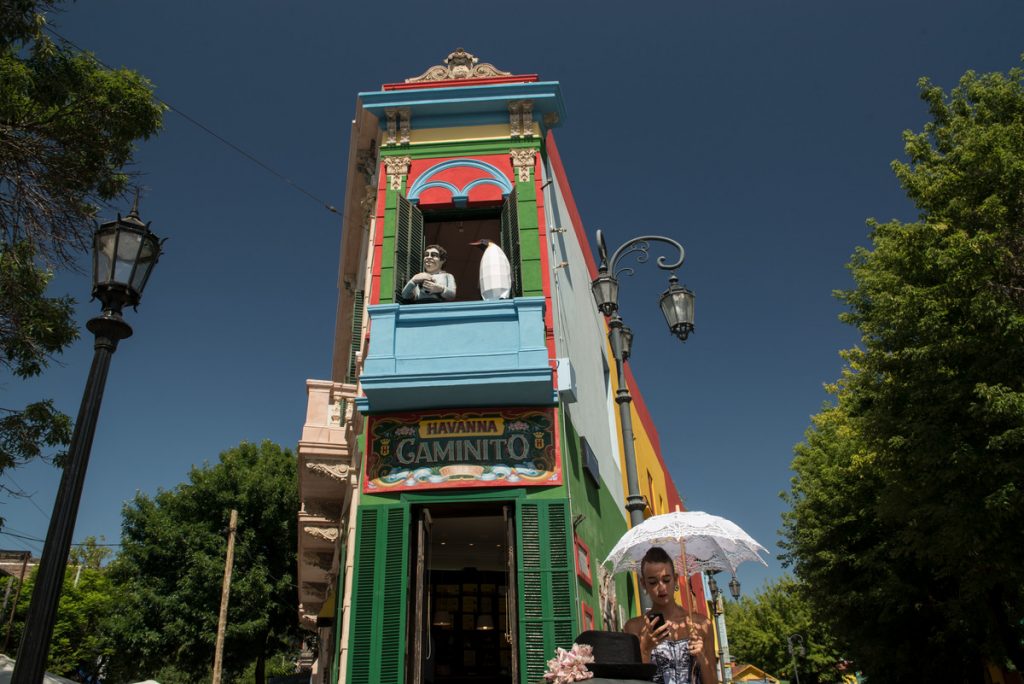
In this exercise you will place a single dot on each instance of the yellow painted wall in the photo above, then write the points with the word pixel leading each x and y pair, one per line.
pixel 420 136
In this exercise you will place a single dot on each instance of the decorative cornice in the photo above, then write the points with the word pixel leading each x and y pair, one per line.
pixel 397 167
pixel 329 534
pixel 459 65
pixel 523 162
pixel 337 472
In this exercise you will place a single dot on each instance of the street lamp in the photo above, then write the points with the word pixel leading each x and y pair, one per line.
pixel 719 610
pixel 676 305
pixel 124 253
pixel 794 651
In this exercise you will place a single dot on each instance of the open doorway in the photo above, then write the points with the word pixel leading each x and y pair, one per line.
pixel 463 602
pixel 454 232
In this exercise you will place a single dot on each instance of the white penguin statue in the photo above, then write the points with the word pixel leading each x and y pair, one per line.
pixel 495 271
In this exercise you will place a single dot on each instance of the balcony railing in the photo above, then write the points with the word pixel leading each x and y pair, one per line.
pixel 457 354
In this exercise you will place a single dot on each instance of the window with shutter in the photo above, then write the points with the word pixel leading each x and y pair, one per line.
pixel 355 345
pixel 510 240
pixel 377 627
pixel 408 244
pixel 546 585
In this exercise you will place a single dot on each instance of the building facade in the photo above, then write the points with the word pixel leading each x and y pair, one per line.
pixel 461 473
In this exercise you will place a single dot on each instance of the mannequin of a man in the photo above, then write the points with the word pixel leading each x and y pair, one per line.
pixel 432 284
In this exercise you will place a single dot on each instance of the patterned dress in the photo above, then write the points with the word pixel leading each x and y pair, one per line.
pixel 674 662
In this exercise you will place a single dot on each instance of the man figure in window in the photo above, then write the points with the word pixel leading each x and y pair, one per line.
pixel 432 284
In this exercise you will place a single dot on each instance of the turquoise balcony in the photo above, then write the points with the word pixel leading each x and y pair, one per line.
pixel 456 354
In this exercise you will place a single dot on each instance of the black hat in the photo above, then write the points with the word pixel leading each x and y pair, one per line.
pixel 616 655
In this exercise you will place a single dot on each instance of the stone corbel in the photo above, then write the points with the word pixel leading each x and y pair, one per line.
pixel 391 132
pixel 329 534
pixel 368 203
pixel 523 162
pixel 520 118
pixel 337 472
pixel 397 168
pixel 366 162
pixel 404 124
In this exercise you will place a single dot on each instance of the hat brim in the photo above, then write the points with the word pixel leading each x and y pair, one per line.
pixel 624 670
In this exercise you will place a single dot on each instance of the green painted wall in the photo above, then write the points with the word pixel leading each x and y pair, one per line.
pixel 603 522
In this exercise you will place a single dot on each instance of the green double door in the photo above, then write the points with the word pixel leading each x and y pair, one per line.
pixel 458 592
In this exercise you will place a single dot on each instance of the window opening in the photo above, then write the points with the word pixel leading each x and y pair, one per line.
pixel 454 232
pixel 455 229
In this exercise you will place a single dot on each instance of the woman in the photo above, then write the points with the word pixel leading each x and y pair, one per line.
pixel 676 646
pixel 432 284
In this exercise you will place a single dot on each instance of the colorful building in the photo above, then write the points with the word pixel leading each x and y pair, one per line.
pixel 461 473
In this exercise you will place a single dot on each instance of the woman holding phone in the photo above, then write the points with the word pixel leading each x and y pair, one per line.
pixel 669 638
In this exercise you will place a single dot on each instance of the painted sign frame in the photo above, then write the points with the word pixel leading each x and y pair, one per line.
pixel 461 448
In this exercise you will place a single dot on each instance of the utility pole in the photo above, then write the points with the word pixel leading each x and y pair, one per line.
pixel 222 623
pixel 17 595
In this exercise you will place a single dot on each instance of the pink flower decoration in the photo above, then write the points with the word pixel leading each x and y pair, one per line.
pixel 570 666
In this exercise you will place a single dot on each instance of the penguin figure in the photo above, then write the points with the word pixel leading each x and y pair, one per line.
pixel 495 271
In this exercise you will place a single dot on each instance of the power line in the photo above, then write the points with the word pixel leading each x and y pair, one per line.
pixel 266 167
pixel 33 547
pixel 22 493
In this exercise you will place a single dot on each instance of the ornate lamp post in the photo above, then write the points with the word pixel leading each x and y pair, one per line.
pixel 723 638
pixel 796 650
pixel 677 306
pixel 124 253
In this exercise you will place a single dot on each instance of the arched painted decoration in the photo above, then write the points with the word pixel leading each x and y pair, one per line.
pixel 488 174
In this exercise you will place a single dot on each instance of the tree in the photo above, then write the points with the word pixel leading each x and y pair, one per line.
pixel 67 129
pixel 908 500
pixel 81 640
pixel 759 628
pixel 171 567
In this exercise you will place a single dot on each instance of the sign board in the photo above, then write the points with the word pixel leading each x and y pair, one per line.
pixel 457 448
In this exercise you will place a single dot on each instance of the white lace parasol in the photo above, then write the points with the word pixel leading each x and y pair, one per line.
pixel 711 542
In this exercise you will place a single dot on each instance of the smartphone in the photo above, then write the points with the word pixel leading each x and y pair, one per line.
pixel 656 618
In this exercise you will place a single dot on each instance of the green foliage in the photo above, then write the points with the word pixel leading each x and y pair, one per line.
pixel 67 129
pixel 171 568
pixel 80 639
pixel 33 328
pixel 908 499
pixel 758 628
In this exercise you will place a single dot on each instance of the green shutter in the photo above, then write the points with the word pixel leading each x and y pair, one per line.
pixel 380 585
pixel 356 342
pixel 361 623
pixel 408 244
pixel 546 586
pixel 510 241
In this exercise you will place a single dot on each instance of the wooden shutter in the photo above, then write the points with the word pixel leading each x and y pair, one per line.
pixel 408 244
pixel 356 343
pixel 510 241
pixel 377 628
pixel 546 586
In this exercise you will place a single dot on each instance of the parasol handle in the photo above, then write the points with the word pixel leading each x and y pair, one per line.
pixel 686 587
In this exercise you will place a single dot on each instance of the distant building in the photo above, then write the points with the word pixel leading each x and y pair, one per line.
pixel 461 474
pixel 751 673
pixel 17 564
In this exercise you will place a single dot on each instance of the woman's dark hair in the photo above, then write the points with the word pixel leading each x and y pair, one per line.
pixel 440 250
pixel 656 554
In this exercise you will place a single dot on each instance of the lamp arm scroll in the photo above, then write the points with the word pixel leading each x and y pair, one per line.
pixel 641 245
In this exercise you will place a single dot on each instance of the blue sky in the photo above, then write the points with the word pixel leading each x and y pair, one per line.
pixel 757 133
